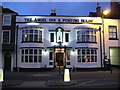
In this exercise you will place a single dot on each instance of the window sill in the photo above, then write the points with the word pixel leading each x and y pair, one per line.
pixel 113 39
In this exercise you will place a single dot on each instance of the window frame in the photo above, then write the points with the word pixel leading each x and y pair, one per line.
pixel 33 34
pixel 85 35
pixel 111 38
pixel 33 55
pixel 68 37
pixel 81 55
pixel 9 36
pixel 51 37
pixel 4 24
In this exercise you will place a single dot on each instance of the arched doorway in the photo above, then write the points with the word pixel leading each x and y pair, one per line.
pixel 7 61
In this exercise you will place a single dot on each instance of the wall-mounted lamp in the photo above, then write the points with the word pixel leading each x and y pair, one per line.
pixel 73 50
pixel 45 50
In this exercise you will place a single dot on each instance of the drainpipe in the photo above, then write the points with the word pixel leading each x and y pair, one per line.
pixel 16 46
pixel 100 46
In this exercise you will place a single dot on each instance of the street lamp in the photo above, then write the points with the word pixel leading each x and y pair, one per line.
pixel 104 13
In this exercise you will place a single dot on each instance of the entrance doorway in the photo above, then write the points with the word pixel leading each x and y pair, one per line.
pixel 59 59
pixel 7 61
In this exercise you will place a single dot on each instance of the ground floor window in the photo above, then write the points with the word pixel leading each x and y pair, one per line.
pixel 31 55
pixel 87 55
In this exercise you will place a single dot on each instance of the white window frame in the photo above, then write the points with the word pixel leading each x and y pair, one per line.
pixel 9 36
pixel 28 55
pixel 94 55
pixel 4 24
pixel 90 36
pixel 28 34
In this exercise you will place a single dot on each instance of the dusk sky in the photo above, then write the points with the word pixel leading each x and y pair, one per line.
pixel 62 8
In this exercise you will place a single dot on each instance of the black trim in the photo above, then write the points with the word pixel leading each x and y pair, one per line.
pixel 86 42
pixel 86 48
pixel 32 47
pixel 31 42
pixel 113 39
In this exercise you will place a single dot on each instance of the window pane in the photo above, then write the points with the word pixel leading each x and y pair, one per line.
pixel 35 38
pixel 35 58
pixel 7 20
pixel 31 37
pixel 30 51
pixel 51 37
pixel 26 51
pixel 6 37
pixel 30 58
pixel 66 37
pixel 79 59
pixel 39 59
pixel 68 55
pixel 35 51
pixel 26 58
pixel 50 55
pixel 22 59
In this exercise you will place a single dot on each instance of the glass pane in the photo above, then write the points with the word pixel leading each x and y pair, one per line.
pixel 22 51
pixel 30 51
pixel 30 58
pixel 22 59
pixel 35 51
pixel 40 51
pixel 30 37
pixel 26 58
pixel 35 58
pixel 31 31
pixel 40 59
pixel 35 38
pixel 79 58
pixel 26 51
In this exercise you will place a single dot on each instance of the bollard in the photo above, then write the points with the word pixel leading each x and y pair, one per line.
pixel 1 75
pixel 66 75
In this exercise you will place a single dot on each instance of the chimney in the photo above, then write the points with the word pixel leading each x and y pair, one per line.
pixel 98 9
pixel 53 13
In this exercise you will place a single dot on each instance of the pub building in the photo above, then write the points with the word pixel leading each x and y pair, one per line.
pixel 49 41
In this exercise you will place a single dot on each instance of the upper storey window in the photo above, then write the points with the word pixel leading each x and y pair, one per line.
pixel 31 35
pixel 6 20
pixel 112 32
pixel 86 36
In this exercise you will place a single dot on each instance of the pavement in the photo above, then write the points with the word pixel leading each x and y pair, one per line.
pixel 52 79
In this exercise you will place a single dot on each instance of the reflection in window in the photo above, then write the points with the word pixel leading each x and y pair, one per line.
pixel 87 55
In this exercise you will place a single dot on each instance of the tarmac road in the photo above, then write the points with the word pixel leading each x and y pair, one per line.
pixel 51 79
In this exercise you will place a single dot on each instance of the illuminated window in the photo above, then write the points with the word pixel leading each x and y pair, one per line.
pixel 31 55
pixel 31 35
pixel 6 20
pixel 112 32
pixel 6 36
pixel 86 36
pixel 87 55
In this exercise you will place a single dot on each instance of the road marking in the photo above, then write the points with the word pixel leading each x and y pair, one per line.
pixel 87 82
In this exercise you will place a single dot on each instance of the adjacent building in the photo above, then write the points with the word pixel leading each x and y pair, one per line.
pixel 8 38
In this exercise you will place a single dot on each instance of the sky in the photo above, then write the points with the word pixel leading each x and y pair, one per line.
pixel 62 8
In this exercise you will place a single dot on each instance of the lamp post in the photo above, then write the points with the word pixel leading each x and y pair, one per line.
pixel 104 13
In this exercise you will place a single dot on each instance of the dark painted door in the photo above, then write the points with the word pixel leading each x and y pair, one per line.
pixel 59 59
pixel 7 62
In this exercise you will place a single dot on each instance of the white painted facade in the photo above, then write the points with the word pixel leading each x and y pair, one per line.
pixel 89 50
